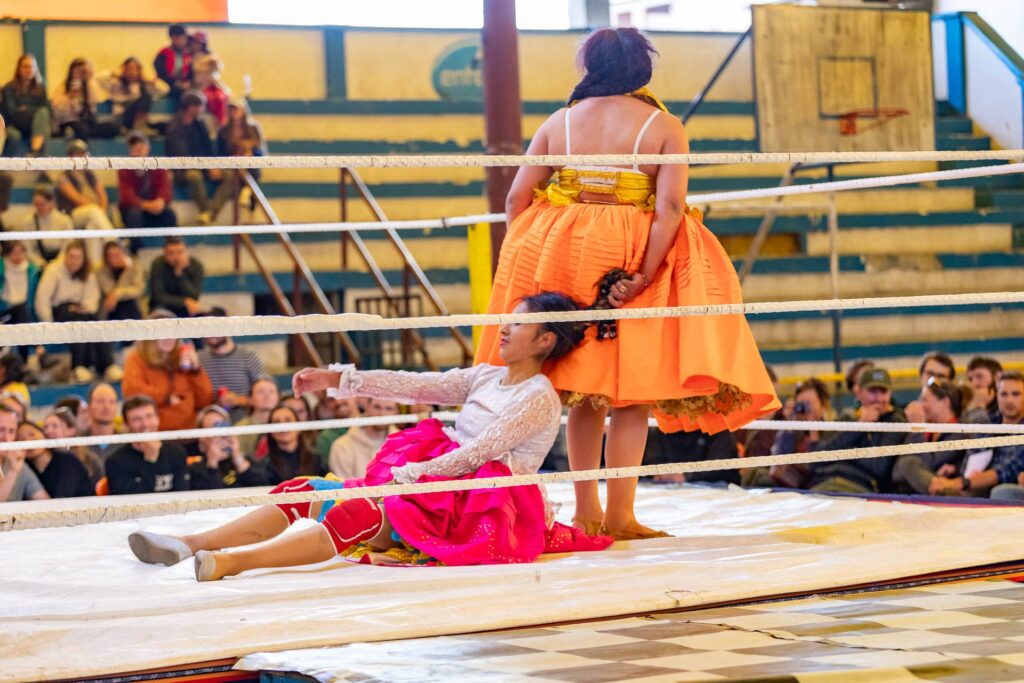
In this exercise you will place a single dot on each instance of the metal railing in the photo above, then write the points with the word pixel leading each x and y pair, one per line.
pixel 411 269
pixel 300 270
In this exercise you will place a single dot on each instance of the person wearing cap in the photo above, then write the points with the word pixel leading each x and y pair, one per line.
pixel 173 63
pixel 45 216
pixel 81 195
pixel 863 475
pixel 188 136
pixel 233 370
pixel 144 195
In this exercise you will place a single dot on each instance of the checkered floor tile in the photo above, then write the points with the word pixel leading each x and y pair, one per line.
pixel 971 631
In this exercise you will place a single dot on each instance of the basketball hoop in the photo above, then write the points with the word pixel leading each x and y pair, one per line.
pixel 872 118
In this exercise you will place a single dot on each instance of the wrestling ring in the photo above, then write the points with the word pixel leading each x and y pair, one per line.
pixel 753 585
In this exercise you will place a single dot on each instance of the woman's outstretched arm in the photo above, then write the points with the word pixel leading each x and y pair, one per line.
pixel 343 381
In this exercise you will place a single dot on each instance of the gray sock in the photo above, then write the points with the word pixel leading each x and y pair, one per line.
pixel 157 548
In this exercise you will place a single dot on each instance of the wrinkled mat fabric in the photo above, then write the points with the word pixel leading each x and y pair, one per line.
pixel 74 602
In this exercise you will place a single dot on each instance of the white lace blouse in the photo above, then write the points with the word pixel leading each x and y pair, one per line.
pixel 516 424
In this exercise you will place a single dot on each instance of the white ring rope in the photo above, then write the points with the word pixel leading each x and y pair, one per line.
pixel 105 510
pixel 248 326
pixel 490 161
pixel 448 416
pixel 430 224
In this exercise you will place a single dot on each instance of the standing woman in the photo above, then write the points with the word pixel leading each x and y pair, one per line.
pixel 700 372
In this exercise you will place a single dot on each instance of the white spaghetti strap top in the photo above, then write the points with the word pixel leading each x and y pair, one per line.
pixel 636 142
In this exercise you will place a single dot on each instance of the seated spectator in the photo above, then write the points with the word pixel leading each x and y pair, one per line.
pixel 299 406
pixel 146 466
pixel 693 446
pixel 173 63
pixel 13 374
pixel 242 135
pixel 232 370
pixel 74 104
pixel 133 95
pixel 17 481
pixel 168 371
pixel 103 413
pixel 329 408
pixel 351 453
pixel 188 136
pixel 19 278
pixel 121 284
pixel 758 442
pixel 809 403
pixel 265 397
pixel 60 472
pixel 982 373
pixel 941 402
pixel 81 195
pixel 1001 476
pixel 16 402
pixel 176 280
pixel 853 375
pixel 224 464
pixel 69 291
pixel 863 475
pixel 78 407
pixel 63 424
pixel 207 79
pixel 145 196
pixel 45 216
pixel 288 455
pixel 26 109
pixel 938 365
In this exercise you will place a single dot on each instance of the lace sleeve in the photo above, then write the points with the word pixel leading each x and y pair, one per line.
pixel 530 417
pixel 442 388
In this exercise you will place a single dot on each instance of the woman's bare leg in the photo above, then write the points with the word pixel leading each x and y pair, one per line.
pixel 257 526
pixel 627 439
pixel 585 435
pixel 308 546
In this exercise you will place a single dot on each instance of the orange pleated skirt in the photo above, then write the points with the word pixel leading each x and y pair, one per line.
pixel 698 372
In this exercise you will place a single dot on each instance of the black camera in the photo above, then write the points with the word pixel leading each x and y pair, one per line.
pixel 801 408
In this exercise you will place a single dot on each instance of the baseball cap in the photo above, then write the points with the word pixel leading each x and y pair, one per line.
pixel 876 377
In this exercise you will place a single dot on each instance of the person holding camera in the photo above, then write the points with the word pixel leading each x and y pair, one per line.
pixel 223 464
pixel 810 403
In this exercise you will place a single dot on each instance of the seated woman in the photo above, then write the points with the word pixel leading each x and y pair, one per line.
pixel 121 284
pixel 26 108
pixel 168 371
pixel 69 292
pixel 510 418
pixel 941 402
pixel 133 94
pixel 74 104
pixel 287 454
pixel 60 472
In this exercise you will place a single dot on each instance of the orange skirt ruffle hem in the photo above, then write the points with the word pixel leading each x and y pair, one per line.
pixel 698 372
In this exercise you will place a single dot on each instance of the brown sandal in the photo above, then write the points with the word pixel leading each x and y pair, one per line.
pixel 591 527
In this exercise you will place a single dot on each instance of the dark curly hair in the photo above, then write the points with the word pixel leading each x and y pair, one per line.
pixel 568 335
pixel 615 61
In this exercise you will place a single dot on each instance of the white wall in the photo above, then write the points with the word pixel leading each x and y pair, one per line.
pixel 994 99
pixel 1005 16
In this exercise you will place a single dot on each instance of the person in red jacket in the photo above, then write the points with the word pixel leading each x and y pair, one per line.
pixel 145 196
pixel 173 64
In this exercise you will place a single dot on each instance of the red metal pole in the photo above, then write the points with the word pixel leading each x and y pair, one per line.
pixel 502 105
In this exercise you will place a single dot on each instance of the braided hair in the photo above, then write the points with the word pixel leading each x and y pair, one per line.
pixel 616 61
pixel 568 335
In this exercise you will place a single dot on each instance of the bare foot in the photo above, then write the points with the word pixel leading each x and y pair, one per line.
pixel 631 531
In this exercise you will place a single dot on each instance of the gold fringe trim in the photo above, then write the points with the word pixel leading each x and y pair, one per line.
pixel 728 399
